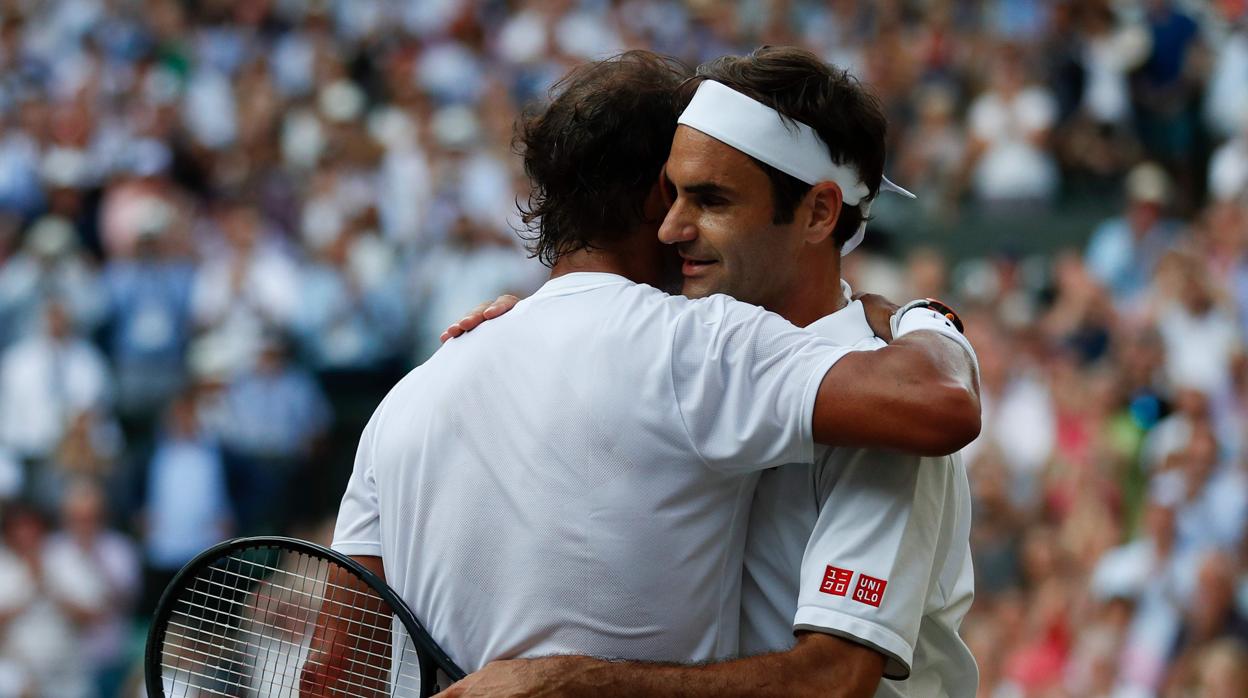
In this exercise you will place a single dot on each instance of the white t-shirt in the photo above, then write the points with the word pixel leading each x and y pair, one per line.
pixel 575 476
pixel 44 384
pixel 1200 349
pixel 868 545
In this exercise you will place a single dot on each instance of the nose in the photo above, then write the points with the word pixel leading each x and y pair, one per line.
pixel 677 226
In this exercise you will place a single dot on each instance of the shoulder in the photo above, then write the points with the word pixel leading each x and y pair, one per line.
pixel 643 309
pixel 719 308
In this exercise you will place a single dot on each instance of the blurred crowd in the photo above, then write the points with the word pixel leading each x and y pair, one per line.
pixel 227 227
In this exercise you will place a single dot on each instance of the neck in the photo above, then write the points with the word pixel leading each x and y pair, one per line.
pixel 637 258
pixel 817 294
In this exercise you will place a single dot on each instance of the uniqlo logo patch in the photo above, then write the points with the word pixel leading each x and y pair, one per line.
pixel 870 590
pixel 836 581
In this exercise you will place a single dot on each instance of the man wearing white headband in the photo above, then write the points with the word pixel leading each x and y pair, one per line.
pixel 864 555
pixel 866 545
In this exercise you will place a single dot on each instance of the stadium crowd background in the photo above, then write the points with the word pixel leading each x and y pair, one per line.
pixel 226 228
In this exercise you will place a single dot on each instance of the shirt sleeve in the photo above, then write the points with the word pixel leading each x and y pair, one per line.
pixel 745 383
pixel 358 528
pixel 877 551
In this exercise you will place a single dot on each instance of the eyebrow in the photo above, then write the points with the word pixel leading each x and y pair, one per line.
pixel 706 188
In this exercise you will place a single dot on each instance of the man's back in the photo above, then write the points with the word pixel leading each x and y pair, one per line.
pixel 569 477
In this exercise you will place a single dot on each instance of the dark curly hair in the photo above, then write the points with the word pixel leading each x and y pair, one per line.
pixel 593 154
pixel 794 82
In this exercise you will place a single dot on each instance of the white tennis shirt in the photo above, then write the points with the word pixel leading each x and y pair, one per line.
pixel 575 476
pixel 869 545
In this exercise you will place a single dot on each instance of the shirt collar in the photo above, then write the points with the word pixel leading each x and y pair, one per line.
pixel 578 281
pixel 847 326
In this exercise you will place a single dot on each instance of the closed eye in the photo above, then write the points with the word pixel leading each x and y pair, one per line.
pixel 707 195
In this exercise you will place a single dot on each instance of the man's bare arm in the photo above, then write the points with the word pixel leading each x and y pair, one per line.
pixel 919 394
pixel 819 665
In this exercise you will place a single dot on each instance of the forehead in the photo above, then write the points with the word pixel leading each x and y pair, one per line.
pixel 697 156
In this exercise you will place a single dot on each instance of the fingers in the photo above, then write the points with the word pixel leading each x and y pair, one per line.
pixel 467 323
pixel 499 307
pixel 486 311
pixel 876 300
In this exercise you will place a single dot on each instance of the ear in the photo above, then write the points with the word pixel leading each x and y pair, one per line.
pixel 824 203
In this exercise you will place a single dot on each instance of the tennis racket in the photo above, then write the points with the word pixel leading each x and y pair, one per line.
pixel 273 617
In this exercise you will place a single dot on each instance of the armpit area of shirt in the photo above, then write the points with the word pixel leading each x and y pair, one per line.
pixel 898 654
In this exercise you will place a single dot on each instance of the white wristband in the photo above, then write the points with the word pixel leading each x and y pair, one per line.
pixel 923 318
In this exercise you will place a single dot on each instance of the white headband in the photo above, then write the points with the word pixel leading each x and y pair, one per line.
pixel 786 144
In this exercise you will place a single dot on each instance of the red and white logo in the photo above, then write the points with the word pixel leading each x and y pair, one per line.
pixel 870 590
pixel 836 581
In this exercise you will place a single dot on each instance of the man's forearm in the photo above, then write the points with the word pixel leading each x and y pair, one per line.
pixel 919 394
pixel 820 665
pixel 753 677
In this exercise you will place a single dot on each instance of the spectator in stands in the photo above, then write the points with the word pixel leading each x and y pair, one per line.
pixel 932 154
pixel 46 380
pixel 246 286
pixel 1112 43
pixel 38 640
pixel 1019 414
pixel 1226 105
pixel 1009 125
pixel 352 314
pixel 1167 90
pixel 50 263
pixel 1228 169
pixel 1124 251
pixel 1201 337
pixel 149 295
pixel 94 573
pixel 1159 577
pixel 275 418
pixel 184 502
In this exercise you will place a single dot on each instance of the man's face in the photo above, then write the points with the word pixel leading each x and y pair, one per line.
pixel 721 222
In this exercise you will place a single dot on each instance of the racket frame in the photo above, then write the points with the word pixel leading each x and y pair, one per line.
pixel 426 647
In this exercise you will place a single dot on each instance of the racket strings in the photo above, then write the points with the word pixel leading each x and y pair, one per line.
pixel 370 680
pixel 285 624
